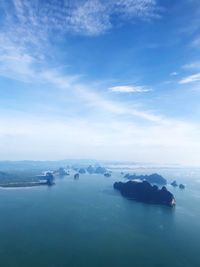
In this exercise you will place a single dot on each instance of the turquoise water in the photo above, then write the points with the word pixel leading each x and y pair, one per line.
pixel 86 223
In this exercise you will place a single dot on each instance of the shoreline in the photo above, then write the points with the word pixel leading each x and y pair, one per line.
pixel 22 185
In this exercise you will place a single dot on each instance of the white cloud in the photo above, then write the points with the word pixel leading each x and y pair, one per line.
pixel 94 17
pixel 17 62
pixel 138 8
pixel 190 79
pixel 91 18
pixel 129 89
pixel 174 73
pixel 196 42
pixel 24 36
pixel 87 17
pixel 192 65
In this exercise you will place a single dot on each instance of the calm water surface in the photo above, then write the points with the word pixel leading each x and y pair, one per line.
pixel 86 223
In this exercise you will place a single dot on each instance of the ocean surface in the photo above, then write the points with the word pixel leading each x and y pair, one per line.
pixel 86 223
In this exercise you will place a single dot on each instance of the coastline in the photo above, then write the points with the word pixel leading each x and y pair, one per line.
pixel 22 185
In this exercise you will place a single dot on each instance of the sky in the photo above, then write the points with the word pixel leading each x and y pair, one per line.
pixel 101 79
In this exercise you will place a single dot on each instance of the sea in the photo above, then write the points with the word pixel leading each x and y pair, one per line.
pixel 86 223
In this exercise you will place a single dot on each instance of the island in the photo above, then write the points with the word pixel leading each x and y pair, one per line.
pixel 76 176
pixel 174 183
pixel 82 171
pixel 90 169
pixel 107 174
pixel 153 178
pixel 96 170
pixel 47 179
pixel 145 192
pixel 181 186
pixel 100 170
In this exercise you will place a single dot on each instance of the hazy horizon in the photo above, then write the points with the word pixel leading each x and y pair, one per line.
pixel 107 162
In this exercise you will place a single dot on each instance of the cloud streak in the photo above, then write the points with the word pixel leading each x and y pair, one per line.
pixel 190 79
pixel 129 89
pixel 87 17
pixel 193 65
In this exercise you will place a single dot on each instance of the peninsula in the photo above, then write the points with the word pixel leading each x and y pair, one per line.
pixel 48 179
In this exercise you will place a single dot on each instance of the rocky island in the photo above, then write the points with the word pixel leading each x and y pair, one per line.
pixel 181 186
pixel 91 170
pixel 153 178
pixel 82 171
pixel 145 192
pixel 76 176
pixel 174 184
pixel 107 174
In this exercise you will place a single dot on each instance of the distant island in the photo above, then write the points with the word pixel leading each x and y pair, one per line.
pixel 145 192
pixel 76 176
pixel 174 184
pixel 21 176
pixel 152 178
pixel 90 170
pixel 61 172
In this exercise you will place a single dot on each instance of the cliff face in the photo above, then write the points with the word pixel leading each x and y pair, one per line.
pixel 145 192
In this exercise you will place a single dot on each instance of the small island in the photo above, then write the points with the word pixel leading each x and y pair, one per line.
pixel 107 174
pixel 82 171
pixel 174 184
pixel 91 170
pixel 181 186
pixel 145 192
pixel 76 176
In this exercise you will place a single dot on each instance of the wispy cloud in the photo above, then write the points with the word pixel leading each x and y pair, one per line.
pixel 90 17
pixel 196 42
pixel 192 65
pixel 24 45
pixel 94 17
pixel 190 79
pixel 87 17
pixel 174 73
pixel 17 64
pixel 117 108
pixel 28 26
pixel 129 89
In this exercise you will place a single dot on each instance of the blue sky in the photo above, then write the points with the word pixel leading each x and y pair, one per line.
pixel 114 80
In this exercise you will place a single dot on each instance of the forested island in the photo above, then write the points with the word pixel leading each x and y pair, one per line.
pixel 145 192
pixel 47 179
